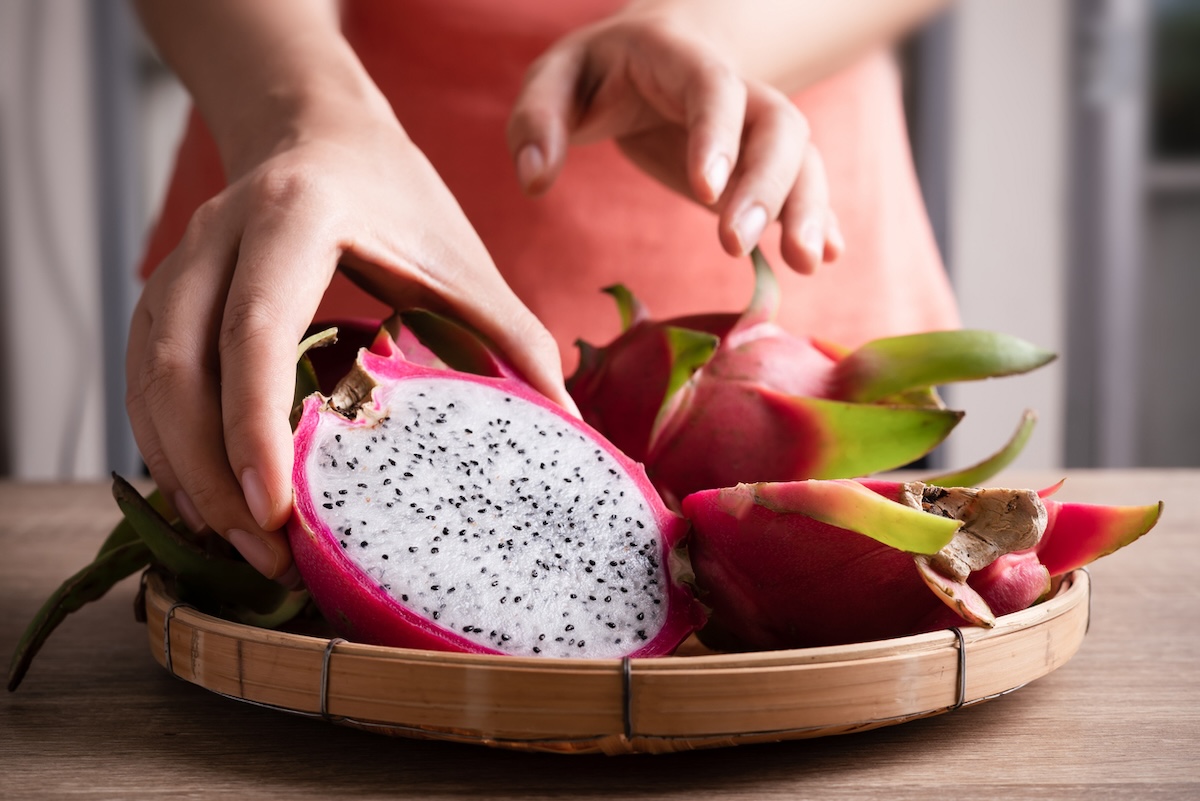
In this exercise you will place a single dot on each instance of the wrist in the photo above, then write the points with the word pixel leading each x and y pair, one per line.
pixel 291 106
pixel 705 22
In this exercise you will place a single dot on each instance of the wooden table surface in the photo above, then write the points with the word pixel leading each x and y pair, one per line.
pixel 97 718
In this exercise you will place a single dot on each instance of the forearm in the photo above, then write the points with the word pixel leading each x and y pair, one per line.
pixel 261 72
pixel 792 43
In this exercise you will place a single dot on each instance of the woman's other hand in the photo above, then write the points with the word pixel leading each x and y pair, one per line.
pixel 677 107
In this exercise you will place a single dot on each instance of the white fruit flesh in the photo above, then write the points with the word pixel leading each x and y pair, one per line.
pixel 492 517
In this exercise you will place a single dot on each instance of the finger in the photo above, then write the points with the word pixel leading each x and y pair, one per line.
pixel 715 108
pixel 458 278
pixel 486 304
pixel 284 265
pixel 140 421
pixel 530 347
pixel 686 86
pixel 489 306
pixel 541 117
pixel 180 383
pixel 774 142
pixel 835 240
pixel 809 233
pixel 660 153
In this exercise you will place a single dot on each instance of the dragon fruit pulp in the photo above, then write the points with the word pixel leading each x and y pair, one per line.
pixel 806 563
pixel 451 511
pixel 713 400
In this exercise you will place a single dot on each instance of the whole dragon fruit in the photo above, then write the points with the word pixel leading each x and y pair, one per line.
pixel 806 563
pixel 462 511
pixel 714 400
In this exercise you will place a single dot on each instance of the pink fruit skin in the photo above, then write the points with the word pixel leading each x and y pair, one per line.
pixel 1011 583
pixel 717 433
pixel 620 391
pixel 779 580
pixel 774 358
pixel 624 389
pixel 775 580
pixel 742 417
pixel 1077 533
pixel 360 610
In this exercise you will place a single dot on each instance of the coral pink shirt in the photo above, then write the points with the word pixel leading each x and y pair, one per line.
pixel 452 69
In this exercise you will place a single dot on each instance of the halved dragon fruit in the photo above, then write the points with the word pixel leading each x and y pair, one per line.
pixel 713 400
pixel 454 511
pixel 806 563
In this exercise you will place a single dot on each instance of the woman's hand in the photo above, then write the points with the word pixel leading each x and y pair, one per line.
pixel 678 109
pixel 212 350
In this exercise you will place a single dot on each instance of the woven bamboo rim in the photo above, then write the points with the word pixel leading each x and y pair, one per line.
pixel 618 706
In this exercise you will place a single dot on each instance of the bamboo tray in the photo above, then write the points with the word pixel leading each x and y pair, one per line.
pixel 696 700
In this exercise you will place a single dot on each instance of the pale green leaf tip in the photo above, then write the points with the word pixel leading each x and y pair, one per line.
pixel 849 505
pixel 317 340
pixel 764 303
pixel 630 308
pixel 690 350
pixel 982 471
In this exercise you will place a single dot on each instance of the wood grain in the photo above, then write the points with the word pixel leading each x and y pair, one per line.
pixel 98 718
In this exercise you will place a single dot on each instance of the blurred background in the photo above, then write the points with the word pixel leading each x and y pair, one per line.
pixel 1057 141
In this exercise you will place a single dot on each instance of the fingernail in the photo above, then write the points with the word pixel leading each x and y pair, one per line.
pixel 187 512
pixel 836 239
pixel 256 497
pixel 530 165
pixel 260 555
pixel 749 227
pixel 291 578
pixel 812 239
pixel 716 175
